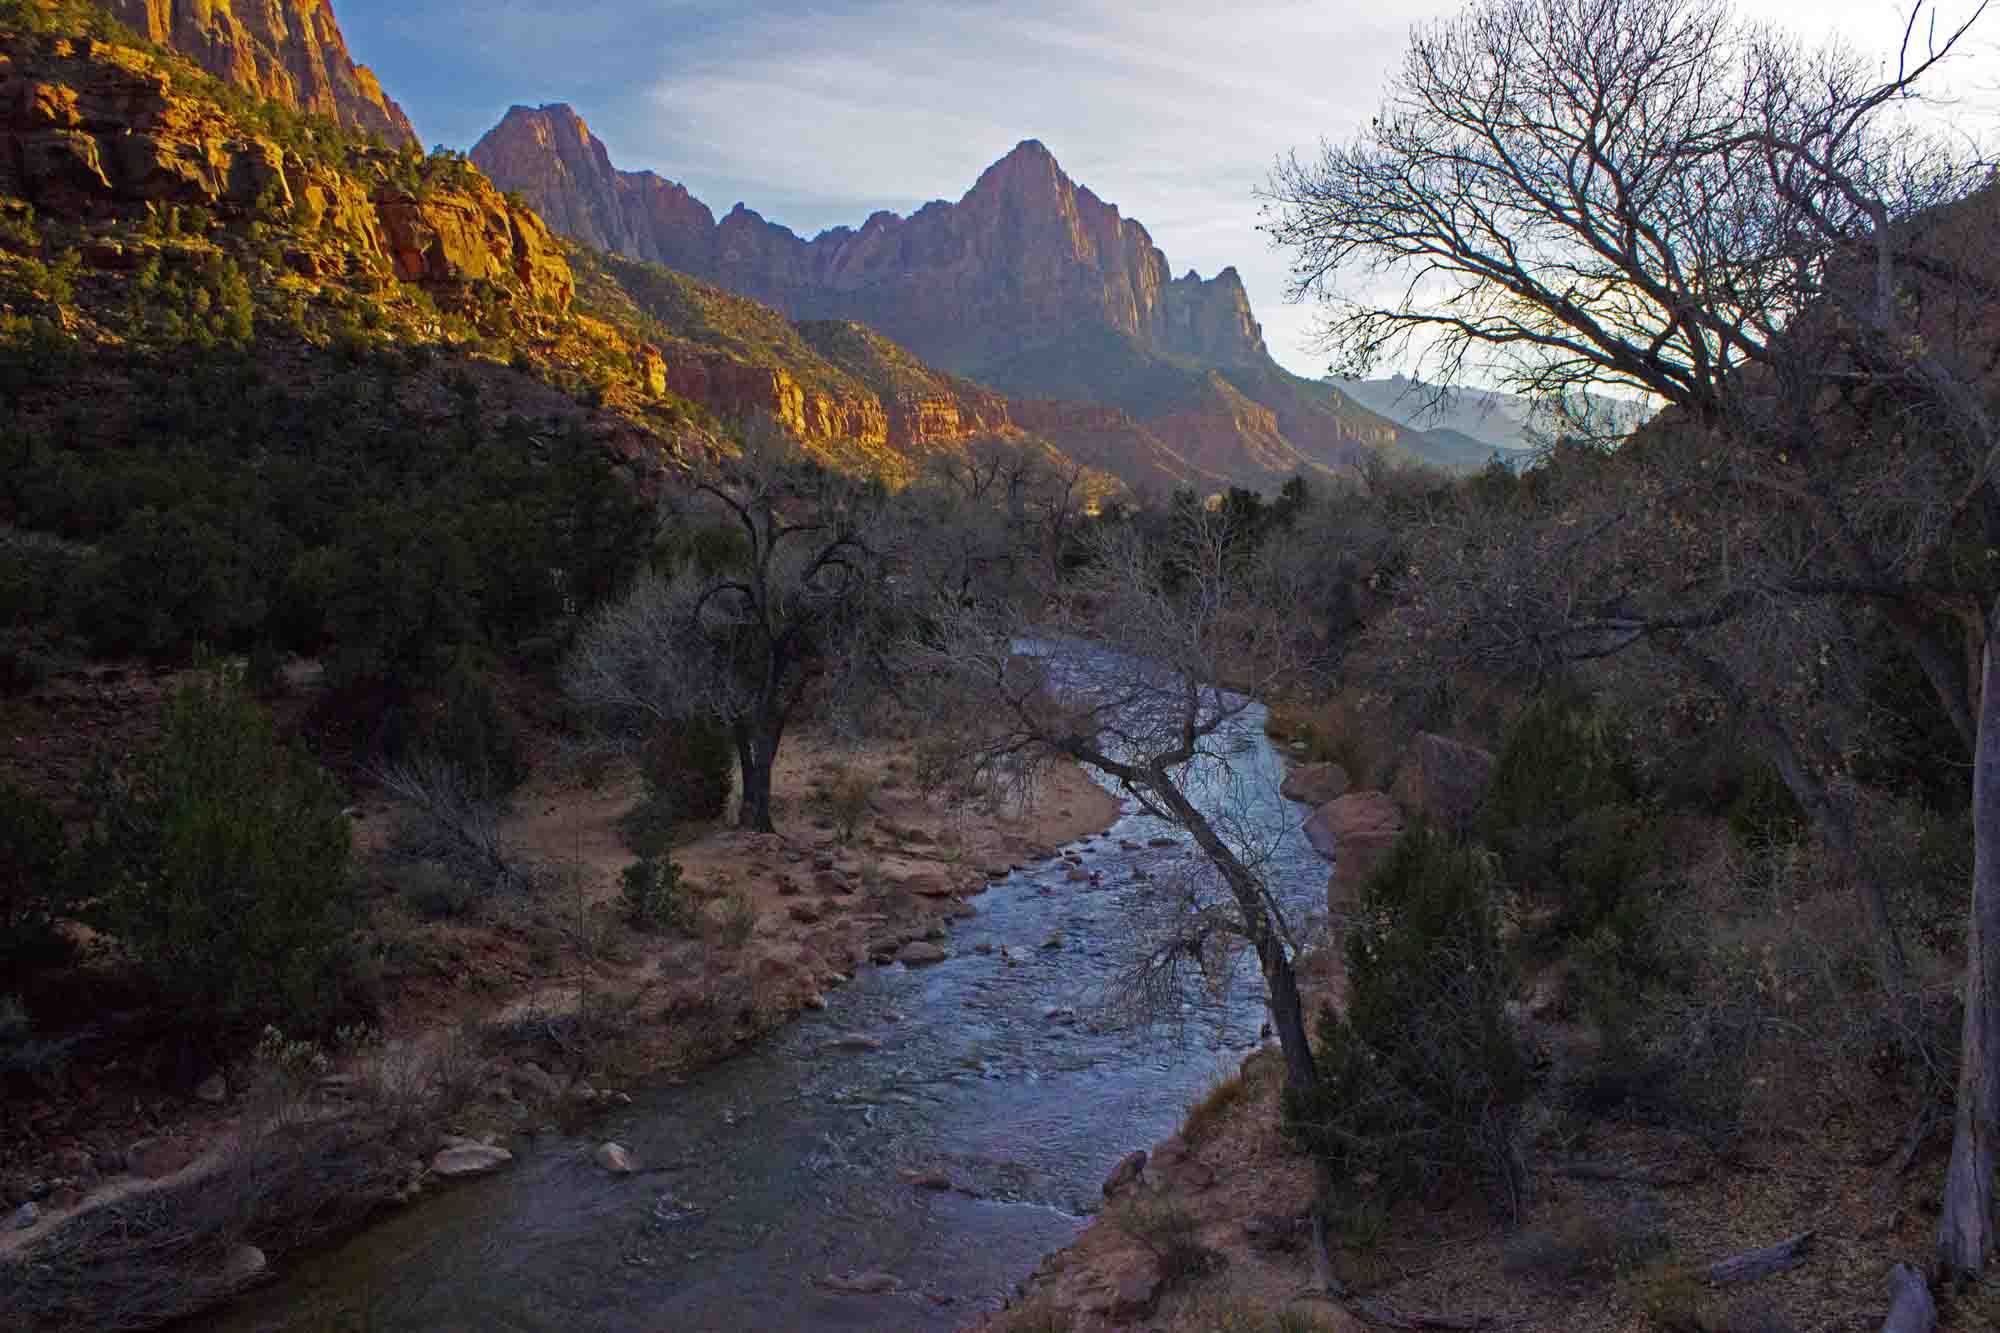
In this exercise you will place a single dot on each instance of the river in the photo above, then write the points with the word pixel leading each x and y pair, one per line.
pixel 1012 1069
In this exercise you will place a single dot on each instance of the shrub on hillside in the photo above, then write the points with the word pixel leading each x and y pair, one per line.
pixel 1422 1077
pixel 37 884
pixel 221 865
pixel 652 896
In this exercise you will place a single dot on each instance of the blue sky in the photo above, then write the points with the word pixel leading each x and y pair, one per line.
pixel 817 114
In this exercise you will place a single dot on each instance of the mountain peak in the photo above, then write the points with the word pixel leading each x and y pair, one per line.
pixel 290 51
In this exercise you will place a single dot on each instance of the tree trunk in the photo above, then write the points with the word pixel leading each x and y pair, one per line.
pixel 1280 982
pixel 1965 1231
pixel 754 756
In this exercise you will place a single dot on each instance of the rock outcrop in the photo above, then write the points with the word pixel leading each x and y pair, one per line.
pixel 290 51
pixel 92 129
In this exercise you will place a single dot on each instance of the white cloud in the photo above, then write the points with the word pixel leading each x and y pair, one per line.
pixel 818 112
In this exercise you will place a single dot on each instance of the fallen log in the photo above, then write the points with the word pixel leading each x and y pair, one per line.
pixel 1754 1264
pixel 1911 1309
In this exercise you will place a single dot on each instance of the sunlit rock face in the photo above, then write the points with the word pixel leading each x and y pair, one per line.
pixel 290 51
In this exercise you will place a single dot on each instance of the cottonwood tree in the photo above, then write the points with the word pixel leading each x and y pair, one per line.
pixel 1123 670
pixel 1651 195
pixel 792 602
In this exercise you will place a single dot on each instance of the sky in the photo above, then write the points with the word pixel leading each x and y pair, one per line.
pixel 817 113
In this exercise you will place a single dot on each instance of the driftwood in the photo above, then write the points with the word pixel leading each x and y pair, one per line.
pixel 1911 1309
pixel 1753 1264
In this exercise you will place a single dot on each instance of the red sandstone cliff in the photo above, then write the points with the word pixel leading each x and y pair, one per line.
pixel 290 51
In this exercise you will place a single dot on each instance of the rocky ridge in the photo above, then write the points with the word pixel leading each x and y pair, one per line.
pixel 1030 283
pixel 91 130
pixel 290 51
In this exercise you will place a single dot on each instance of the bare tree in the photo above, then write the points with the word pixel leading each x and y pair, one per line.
pixel 791 609
pixel 1648 194
pixel 1125 671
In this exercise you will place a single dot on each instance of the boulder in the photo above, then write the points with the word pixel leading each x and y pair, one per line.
pixel 214 1090
pixel 1355 833
pixel 1126 1174
pixel 242 1263
pixel 1315 784
pixel 1358 817
pixel 615 1158
pixel 25 1216
pixel 1450 779
pixel 537 1080
pixel 152 1159
pixel 469 1159
pixel 922 954
pixel 1136 1296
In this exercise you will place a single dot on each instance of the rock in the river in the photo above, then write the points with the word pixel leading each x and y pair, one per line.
pixel 214 1090
pixel 1315 784
pixel 1126 1174
pixel 863 1284
pixel 922 953
pixel 242 1263
pixel 25 1216
pixel 1078 875
pixel 1162 842
pixel 469 1159
pixel 854 1041
pixel 615 1158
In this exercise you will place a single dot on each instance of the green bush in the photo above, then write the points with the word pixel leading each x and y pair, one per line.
pixel 37 884
pixel 222 858
pixel 1422 1078
pixel 652 896
pixel 691 765
pixel 470 726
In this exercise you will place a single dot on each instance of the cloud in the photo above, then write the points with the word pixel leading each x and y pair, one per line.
pixel 819 112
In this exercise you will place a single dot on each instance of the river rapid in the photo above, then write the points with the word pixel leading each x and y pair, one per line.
pixel 1013 1071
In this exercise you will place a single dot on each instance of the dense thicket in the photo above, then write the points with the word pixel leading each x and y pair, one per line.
pixel 236 507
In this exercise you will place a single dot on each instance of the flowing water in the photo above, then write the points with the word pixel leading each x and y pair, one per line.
pixel 1009 1072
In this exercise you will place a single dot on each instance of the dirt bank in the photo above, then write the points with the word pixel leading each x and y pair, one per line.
pixel 528 1010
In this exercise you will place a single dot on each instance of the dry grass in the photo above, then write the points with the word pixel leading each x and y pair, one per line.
pixel 157 1256
pixel 1206 1116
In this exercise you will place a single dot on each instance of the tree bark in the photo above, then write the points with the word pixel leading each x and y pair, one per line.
pixel 1965 1229
pixel 755 756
